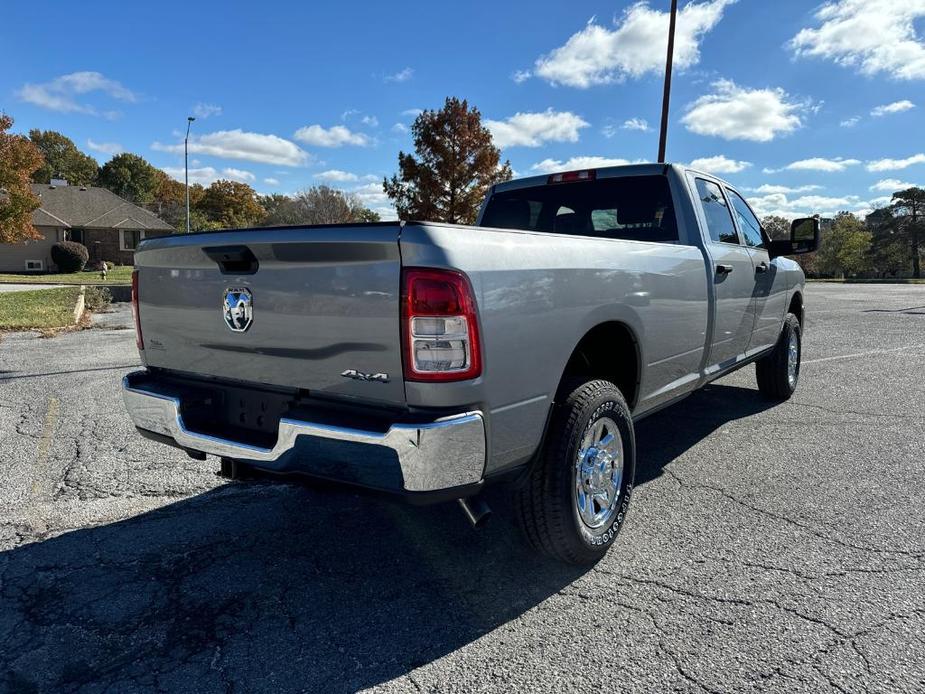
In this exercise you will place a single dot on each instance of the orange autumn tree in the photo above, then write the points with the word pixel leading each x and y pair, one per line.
pixel 456 164
pixel 19 159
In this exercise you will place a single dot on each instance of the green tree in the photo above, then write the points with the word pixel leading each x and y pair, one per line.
pixel 130 177
pixel 908 209
pixel 776 227
pixel 19 159
pixel 845 249
pixel 168 200
pixel 455 165
pixel 62 159
pixel 230 204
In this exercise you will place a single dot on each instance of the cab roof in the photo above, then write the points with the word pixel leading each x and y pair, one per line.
pixel 642 169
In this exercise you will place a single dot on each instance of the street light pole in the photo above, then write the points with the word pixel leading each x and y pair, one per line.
pixel 666 97
pixel 189 122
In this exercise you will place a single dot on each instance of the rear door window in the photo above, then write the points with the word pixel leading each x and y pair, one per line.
pixel 716 212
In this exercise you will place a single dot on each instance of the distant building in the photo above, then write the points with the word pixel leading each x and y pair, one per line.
pixel 107 225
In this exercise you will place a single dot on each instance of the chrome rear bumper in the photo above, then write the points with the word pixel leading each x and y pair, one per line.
pixel 432 456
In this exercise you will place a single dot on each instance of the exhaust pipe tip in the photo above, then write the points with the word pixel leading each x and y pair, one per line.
pixel 476 511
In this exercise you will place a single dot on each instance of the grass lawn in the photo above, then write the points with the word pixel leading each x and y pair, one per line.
pixel 117 275
pixel 42 308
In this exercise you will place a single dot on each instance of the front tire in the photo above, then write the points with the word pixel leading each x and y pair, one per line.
pixel 575 498
pixel 779 372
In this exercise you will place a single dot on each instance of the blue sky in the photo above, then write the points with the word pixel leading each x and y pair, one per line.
pixel 809 107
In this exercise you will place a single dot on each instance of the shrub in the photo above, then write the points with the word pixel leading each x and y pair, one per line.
pixel 69 256
pixel 97 298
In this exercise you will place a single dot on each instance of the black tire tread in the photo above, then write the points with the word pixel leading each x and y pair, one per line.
pixel 771 370
pixel 542 514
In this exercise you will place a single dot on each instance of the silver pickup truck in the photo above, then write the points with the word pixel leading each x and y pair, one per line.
pixel 432 359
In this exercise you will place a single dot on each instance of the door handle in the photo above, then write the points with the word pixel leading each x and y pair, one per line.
pixel 724 269
pixel 761 267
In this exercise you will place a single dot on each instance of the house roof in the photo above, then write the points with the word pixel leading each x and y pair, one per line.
pixel 79 206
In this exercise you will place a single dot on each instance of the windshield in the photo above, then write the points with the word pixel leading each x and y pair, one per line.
pixel 636 208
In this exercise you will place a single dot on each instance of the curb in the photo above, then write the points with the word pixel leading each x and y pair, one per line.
pixel 81 304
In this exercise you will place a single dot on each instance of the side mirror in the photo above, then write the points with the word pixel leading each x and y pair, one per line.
pixel 804 238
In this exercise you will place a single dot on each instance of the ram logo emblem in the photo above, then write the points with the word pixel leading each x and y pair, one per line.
pixel 238 309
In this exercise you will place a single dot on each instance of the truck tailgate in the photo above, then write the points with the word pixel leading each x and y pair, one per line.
pixel 325 301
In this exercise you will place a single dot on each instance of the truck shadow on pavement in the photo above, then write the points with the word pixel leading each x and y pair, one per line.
pixel 275 587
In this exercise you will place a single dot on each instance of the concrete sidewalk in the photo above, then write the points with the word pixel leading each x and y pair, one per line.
pixel 27 287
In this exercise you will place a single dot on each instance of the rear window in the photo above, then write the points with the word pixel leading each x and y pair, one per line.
pixel 636 208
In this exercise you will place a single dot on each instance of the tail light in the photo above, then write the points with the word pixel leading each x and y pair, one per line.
pixel 439 326
pixel 139 340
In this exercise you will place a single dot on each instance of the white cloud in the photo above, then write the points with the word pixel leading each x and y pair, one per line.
pixel 238 175
pixel 336 175
pixel 271 181
pixel 804 206
pixel 895 164
pixel 533 129
pixel 60 93
pixel 335 136
pixel 239 144
pixel 767 189
pixel 204 111
pixel 850 122
pixel 400 128
pixel 110 148
pixel 412 112
pixel 873 204
pixel 521 76
pixel 400 76
pixel 635 46
pixel 720 164
pixel 737 113
pixel 370 121
pixel 577 164
pixel 875 36
pixel 203 175
pixel 371 195
pixel 206 175
pixel 640 124
pixel 891 185
pixel 895 107
pixel 817 164
pixel 386 213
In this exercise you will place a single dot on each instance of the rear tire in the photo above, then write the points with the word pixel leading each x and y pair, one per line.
pixel 779 372
pixel 575 498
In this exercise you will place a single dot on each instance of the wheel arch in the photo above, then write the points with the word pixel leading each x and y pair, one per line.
pixel 796 306
pixel 610 350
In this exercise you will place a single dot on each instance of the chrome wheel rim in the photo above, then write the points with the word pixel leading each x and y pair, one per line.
pixel 599 474
pixel 793 359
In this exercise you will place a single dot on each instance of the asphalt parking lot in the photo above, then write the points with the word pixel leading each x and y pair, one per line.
pixel 769 548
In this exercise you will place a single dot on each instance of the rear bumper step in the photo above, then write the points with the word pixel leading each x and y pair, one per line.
pixel 411 457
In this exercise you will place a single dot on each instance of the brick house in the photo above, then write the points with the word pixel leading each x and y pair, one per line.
pixel 107 225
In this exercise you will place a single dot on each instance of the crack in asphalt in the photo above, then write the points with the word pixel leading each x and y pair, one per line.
pixel 135 568
pixel 915 553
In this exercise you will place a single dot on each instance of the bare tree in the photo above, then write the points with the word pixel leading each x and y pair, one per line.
pixel 316 205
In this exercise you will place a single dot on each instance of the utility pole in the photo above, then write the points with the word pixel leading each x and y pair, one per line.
pixel 189 122
pixel 666 98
